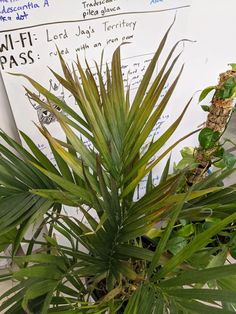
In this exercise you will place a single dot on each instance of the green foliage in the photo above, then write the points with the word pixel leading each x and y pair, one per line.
pixel 205 108
pixel 227 90
pixel 107 253
pixel 208 138
pixel 233 66
pixel 187 160
pixel 7 238
pixel 227 161
pixel 205 92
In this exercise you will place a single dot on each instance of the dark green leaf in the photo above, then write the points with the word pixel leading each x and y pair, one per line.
pixel 208 138
pixel 205 108
pixel 228 89
pixel 229 160
pixel 176 244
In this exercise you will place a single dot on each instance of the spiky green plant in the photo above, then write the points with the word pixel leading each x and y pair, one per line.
pixel 107 253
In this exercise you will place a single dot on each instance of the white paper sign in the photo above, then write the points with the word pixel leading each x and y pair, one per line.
pixel 31 30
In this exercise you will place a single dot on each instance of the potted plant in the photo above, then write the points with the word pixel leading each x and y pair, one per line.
pixel 109 264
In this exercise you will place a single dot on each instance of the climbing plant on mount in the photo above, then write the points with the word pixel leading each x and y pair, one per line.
pixel 210 155
pixel 211 151
pixel 220 111
pixel 107 264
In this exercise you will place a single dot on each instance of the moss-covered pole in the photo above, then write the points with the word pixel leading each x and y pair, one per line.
pixel 220 110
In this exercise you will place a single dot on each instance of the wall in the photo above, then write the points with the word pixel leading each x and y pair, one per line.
pixel 7 122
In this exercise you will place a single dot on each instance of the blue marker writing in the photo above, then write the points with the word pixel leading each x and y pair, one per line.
pixel 155 1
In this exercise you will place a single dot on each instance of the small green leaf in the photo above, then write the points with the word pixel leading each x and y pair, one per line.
pixel 154 233
pixel 219 259
pixel 233 66
pixel 205 92
pixel 229 160
pixel 186 231
pixel 176 244
pixel 189 162
pixel 208 138
pixel 220 152
pixel 219 164
pixel 230 83
pixel 187 151
pixel 228 89
pixel 205 108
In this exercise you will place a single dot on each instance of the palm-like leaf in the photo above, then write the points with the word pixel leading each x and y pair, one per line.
pixel 108 250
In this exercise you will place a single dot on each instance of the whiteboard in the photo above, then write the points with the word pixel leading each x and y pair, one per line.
pixel 87 27
pixel 29 35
